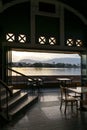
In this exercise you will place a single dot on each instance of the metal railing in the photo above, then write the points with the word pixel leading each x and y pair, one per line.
pixel 31 85
pixel 20 80
pixel 5 93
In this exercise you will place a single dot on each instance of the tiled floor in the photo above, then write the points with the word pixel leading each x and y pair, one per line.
pixel 46 115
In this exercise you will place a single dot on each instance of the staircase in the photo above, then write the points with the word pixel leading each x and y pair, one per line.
pixel 17 103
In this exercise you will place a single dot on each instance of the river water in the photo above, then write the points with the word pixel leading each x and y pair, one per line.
pixel 34 71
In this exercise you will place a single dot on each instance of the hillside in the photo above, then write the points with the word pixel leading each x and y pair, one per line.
pixel 55 60
pixel 65 60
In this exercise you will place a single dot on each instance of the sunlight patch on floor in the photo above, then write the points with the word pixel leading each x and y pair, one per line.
pixel 49 98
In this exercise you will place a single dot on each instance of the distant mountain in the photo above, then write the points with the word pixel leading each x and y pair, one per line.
pixel 55 60
pixel 28 61
pixel 65 60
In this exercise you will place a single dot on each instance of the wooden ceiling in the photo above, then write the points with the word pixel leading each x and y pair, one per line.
pixel 79 5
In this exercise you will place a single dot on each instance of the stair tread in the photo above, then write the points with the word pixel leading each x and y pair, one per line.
pixel 15 99
pixel 23 104
pixel 14 91
pixel 3 89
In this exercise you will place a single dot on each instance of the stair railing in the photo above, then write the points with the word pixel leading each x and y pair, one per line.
pixel 19 80
pixel 7 92
pixel 32 84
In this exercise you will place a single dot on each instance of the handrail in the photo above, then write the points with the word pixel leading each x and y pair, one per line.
pixel 9 90
pixel 33 81
pixel 19 73
pixel 6 87
pixel 11 94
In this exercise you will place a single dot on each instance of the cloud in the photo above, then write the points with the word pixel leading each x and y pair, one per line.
pixel 16 56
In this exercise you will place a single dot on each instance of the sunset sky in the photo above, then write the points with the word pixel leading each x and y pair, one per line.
pixel 16 56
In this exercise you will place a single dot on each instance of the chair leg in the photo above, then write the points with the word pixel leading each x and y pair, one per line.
pixel 71 106
pixel 61 105
pixel 65 107
pixel 77 105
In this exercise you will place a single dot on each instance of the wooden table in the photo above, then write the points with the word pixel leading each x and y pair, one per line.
pixel 63 81
pixel 81 91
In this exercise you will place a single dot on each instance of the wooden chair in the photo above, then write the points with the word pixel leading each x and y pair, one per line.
pixel 65 98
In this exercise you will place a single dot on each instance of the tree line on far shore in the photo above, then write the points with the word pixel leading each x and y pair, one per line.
pixel 39 64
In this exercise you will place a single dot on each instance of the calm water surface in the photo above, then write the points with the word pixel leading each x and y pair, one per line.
pixel 47 71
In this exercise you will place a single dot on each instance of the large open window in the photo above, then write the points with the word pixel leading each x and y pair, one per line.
pixel 46 64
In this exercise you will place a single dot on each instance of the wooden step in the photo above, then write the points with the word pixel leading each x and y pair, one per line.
pixel 22 105
pixel 15 94
pixel 3 90
pixel 13 102
pixel 18 102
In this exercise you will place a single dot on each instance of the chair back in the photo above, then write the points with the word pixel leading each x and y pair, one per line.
pixel 64 92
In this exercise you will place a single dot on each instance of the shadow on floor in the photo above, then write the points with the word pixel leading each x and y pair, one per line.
pixel 46 115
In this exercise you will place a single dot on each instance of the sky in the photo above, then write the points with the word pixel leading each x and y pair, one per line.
pixel 17 56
